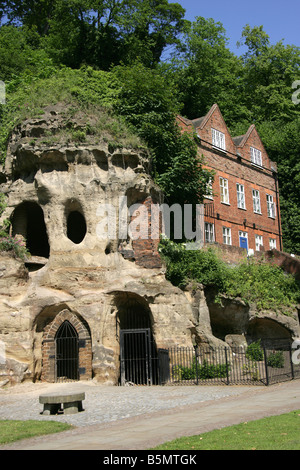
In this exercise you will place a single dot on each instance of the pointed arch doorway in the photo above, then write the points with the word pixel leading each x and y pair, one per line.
pixel 66 352
pixel 66 346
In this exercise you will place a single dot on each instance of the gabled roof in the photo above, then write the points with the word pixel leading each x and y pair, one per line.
pixel 200 122
pixel 241 140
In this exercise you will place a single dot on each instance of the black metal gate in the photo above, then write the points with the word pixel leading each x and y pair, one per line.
pixel 66 353
pixel 138 357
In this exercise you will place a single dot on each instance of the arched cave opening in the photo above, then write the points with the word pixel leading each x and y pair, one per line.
pixel 138 352
pixel 268 331
pixel 28 221
pixel 76 226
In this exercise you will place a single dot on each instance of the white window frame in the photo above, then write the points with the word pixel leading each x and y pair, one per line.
pixel 218 139
pixel 271 206
pixel 241 201
pixel 272 243
pixel 255 156
pixel 209 232
pixel 258 242
pixel 224 190
pixel 227 236
pixel 209 189
pixel 256 201
pixel 243 234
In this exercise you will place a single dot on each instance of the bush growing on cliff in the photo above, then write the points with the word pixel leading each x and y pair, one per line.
pixel 8 243
pixel 259 282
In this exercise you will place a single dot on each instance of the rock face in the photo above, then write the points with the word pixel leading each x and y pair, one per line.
pixel 76 205
pixel 238 324
pixel 91 282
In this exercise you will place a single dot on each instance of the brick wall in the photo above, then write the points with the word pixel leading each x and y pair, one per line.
pixel 48 347
pixel 234 165
pixel 145 244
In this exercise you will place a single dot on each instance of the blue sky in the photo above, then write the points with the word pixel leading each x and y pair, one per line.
pixel 280 18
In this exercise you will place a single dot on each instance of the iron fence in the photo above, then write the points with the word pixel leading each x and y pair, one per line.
pixel 229 366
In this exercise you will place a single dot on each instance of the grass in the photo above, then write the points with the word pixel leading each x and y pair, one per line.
pixel 273 433
pixel 86 95
pixel 14 430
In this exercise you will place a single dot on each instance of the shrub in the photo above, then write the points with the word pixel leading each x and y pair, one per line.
pixel 202 266
pixel 276 360
pixel 14 244
pixel 259 282
pixel 255 352
pixel 202 371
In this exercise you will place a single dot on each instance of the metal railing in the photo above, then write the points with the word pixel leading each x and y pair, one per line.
pixel 229 366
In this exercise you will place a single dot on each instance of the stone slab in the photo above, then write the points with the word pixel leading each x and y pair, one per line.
pixel 61 398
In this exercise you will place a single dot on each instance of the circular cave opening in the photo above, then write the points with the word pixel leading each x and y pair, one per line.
pixel 76 226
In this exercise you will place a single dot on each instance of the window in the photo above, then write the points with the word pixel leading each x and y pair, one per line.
pixel 240 196
pixel 227 236
pixel 256 201
pixel 224 190
pixel 270 206
pixel 258 242
pixel 209 190
pixel 255 156
pixel 218 139
pixel 272 243
pixel 209 233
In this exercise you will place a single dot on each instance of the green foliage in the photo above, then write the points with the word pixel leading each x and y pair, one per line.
pixel 8 243
pixel 266 285
pixel 271 433
pixel 201 371
pixel 14 430
pixel 255 352
pixel 202 266
pixel 102 33
pixel 4 225
pixel 147 102
pixel 22 57
pixel 14 245
pixel 89 91
pixel 208 72
pixel 276 360
pixel 123 42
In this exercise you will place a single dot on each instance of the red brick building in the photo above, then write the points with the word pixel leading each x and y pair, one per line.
pixel 242 204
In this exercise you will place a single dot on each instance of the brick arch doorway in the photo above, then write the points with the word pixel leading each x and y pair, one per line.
pixel 66 349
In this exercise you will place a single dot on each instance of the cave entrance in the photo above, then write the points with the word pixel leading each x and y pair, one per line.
pixel 66 353
pixel 138 352
pixel 28 222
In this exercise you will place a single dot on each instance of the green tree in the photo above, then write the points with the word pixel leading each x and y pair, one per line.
pixel 268 73
pixel 21 55
pixel 208 72
pixel 148 102
pixel 101 32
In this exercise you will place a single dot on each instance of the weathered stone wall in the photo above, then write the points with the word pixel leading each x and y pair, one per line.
pixel 89 276
pixel 80 279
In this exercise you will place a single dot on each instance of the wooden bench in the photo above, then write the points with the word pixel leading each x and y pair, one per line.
pixel 71 403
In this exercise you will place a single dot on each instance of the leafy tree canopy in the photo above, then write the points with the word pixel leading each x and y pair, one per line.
pixel 100 32
pixel 124 41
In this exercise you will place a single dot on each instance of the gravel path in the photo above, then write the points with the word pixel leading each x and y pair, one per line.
pixel 104 404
